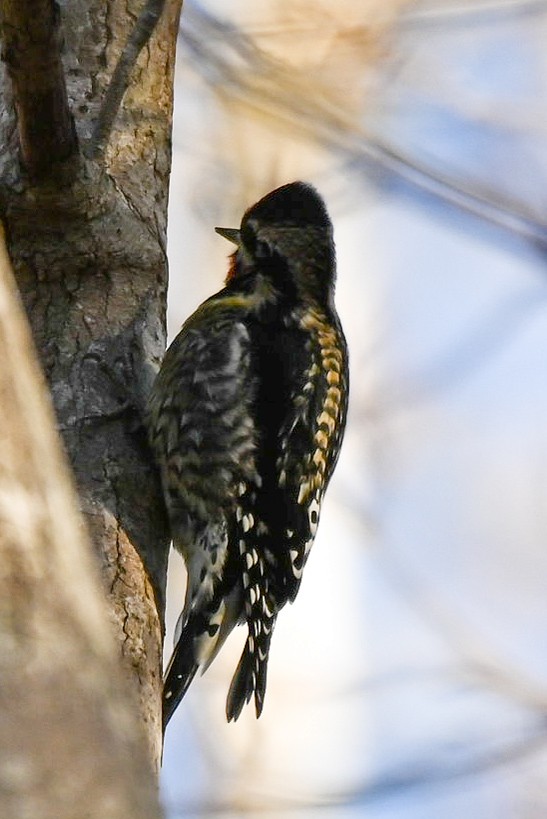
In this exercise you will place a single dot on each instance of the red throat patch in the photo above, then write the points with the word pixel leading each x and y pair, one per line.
pixel 232 270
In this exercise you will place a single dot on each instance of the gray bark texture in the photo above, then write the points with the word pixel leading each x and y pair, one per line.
pixel 86 235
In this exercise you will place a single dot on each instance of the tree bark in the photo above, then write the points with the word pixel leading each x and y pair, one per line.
pixel 32 56
pixel 88 248
pixel 67 728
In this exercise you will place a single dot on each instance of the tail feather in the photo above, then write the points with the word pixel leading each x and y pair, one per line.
pixel 200 641
pixel 179 674
pixel 251 673
pixel 242 685
pixel 260 679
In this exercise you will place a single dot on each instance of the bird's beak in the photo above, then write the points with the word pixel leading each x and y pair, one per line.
pixel 232 234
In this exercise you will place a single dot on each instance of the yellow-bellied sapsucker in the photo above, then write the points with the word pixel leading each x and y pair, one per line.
pixel 246 419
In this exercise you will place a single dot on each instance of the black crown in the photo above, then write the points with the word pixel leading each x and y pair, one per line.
pixel 296 204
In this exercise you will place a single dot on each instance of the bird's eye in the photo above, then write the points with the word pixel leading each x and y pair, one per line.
pixel 262 249
pixel 259 249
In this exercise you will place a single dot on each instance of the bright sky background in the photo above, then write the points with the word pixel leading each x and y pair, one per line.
pixel 409 679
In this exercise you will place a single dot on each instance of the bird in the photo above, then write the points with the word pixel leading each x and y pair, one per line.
pixel 245 421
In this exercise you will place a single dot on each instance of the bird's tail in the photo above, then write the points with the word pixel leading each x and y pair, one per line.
pixel 179 673
pixel 251 673
pixel 200 640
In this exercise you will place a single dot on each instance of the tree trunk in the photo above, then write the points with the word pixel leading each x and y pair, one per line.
pixel 87 241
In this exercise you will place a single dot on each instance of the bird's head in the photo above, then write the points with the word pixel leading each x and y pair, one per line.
pixel 287 238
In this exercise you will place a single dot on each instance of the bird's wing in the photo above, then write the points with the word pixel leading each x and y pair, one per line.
pixel 201 426
pixel 202 431
pixel 309 442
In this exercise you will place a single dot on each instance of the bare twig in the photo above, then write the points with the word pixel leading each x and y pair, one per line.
pixel 235 66
pixel 141 33
pixel 31 51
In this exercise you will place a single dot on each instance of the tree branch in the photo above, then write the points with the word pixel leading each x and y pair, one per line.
pixel 32 54
pixel 141 33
